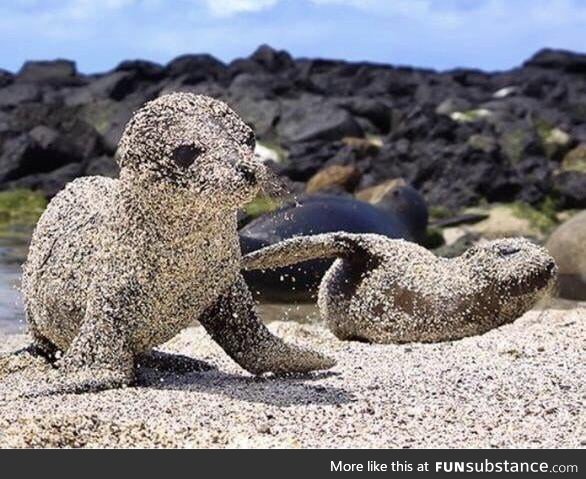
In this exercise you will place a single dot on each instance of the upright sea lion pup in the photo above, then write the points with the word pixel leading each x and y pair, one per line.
pixel 382 290
pixel 117 267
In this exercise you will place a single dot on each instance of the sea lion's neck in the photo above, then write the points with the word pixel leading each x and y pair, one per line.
pixel 170 215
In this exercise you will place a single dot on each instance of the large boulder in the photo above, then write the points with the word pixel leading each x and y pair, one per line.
pixel 50 183
pixel 558 60
pixel 17 93
pixel 144 69
pixel 55 72
pixel 102 166
pixel 570 186
pixel 262 115
pixel 306 159
pixel 567 244
pixel 314 119
pixel 575 160
pixel 334 178
pixel 195 68
pixel 55 141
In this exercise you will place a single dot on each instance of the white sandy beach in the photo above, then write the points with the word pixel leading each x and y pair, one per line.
pixel 521 385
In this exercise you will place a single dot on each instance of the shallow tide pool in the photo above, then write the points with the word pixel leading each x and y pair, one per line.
pixel 14 242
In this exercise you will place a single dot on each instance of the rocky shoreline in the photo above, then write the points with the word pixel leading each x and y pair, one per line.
pixel 516 386
pixel 461 137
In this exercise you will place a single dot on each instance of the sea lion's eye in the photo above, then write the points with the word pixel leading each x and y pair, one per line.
pixel 185 155
pixel 508 250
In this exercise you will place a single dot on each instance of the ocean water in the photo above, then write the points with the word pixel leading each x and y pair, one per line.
pixel 14 241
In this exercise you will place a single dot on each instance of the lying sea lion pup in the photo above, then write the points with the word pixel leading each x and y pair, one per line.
pixel 119 266
pixel 382 290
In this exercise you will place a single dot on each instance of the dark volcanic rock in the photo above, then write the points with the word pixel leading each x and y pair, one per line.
pixel 461 137
pixel 18 93
pixel 143 68
pixel 195 68
pixel 56 73
pixel 314 119
pixel 51 182
pixel 558 60
pixel 571 187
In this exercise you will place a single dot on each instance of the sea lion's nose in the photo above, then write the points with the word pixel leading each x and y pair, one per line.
pixel 247 172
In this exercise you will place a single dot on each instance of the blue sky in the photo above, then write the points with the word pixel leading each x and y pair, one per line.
pixel 441 34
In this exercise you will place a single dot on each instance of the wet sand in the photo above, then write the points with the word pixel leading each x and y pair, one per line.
pixel 521 385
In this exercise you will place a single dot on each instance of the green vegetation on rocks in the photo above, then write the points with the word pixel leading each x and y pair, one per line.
pixel 575 160
pixel 513 143
pixel 261 205
pixel 554 140
pixel 542 217
pixel 21 206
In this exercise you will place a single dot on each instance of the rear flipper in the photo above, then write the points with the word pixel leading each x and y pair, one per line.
pixel 37 355
pixel 305 248
pixel 233 324
pixel 97 359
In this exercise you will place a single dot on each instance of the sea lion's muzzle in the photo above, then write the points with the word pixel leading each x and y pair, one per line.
pixel 247 172
pixel 534 282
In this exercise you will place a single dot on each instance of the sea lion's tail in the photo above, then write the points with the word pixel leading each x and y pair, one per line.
pixel 305 248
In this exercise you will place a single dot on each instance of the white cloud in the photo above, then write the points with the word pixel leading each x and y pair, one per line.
pixel 226 8
pixel 408 8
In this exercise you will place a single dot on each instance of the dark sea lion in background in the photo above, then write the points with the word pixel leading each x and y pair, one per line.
pixel 117 267
pixel 392 291
pixel 401 213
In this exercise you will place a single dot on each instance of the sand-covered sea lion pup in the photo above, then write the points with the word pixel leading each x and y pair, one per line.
pixel 119 266
pixel 402 213
pixel 382 290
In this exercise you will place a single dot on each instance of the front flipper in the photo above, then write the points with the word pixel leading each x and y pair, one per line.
pixel 305 248
pixel 234 325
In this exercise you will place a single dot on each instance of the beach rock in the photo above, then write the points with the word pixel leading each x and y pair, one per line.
pixel 261 114
pixel 575 160
pixel 460 137
pixel 55 73
pixel 18 93
pixel 453 105
pixel 506 221
pixel 558 60
pixel 306 159
pixel 102 166
pixel 144 69
pixel 334 177
pixel 313 120
pixel 195 68
pixel 571 188
pixel 115 86
pixel 45 149
pixel 272 60
pixel 567 244
pixel 6 78
pixel 49 183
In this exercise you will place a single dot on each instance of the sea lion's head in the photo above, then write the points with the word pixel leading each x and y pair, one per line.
pixel 192 147
pixel 515 267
